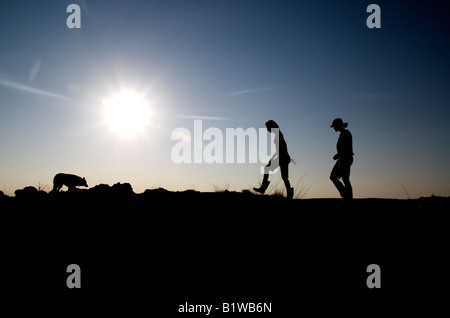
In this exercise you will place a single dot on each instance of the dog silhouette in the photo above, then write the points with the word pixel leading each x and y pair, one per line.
pixel 69 180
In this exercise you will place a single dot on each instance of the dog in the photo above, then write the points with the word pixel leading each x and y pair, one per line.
pixel 69 180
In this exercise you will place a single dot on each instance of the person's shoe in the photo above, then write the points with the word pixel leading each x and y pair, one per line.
pixel 262 188
pixel 290 193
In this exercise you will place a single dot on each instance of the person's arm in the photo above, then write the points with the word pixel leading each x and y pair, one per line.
pixel 346 144
pixel 277 150
pixel 338 148
pixel 270 161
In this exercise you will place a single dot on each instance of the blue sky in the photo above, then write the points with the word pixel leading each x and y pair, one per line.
pixel 300 63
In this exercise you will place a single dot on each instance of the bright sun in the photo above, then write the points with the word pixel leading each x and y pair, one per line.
pixel 127 113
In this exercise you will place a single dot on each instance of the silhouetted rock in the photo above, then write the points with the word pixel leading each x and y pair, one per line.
pixel 190 192
pixel 29 192
pixel 122 189
pixel 100 188
pixel 433 203
pixel 155 193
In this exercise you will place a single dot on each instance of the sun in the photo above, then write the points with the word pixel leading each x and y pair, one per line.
pixel 127 113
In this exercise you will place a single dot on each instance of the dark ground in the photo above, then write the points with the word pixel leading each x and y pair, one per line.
pixel 148 253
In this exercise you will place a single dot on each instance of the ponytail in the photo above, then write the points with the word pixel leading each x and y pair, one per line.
pixel 345 125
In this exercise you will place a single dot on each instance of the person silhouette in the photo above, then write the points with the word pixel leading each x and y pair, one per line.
pixel 280 159
pixel 344 159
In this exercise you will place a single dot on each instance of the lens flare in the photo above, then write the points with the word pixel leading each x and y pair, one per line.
pixel 34 71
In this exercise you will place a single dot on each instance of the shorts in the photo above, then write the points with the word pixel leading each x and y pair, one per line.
pixel 341 168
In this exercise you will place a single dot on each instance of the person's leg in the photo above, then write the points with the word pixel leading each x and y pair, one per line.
pixel 346 179
pixel 338 186
pixel 348 191
pixel 334 177
pixel 289 189
pixel 285 176
pixel 287 183
pixel 264 184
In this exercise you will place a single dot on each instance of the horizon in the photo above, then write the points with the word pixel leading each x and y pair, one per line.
pixel 232 65
pixel 271 192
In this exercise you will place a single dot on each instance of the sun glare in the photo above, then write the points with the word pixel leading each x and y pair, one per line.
pixel 127 113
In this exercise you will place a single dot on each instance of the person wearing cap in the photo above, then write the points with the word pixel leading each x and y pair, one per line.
pixel 344 159
pixel 280 159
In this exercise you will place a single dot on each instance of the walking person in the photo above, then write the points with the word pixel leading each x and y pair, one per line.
pixel 344 159
pixel 280 159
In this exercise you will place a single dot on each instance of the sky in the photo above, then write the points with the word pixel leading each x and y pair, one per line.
pixel 229 64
